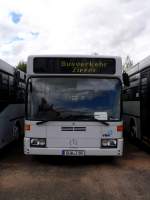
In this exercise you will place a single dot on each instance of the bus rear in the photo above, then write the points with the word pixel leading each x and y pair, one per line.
pixel 73 106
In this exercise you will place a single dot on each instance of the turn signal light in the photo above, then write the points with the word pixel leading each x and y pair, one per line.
pixel 120 128
pixel 27 127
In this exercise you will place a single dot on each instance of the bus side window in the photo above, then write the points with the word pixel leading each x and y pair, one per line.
pixel 11 87
pixel 4 86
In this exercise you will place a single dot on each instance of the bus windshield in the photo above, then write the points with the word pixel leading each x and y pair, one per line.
pixel 73 98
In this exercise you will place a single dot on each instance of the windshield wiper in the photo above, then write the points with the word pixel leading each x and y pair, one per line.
pixel 74 117
pixel 102 122
pixel 49 120
pixel 42 122
pixel 86 116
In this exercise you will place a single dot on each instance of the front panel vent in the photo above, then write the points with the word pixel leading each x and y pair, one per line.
pixel 69 128
pixel 79 128
pixel 66 128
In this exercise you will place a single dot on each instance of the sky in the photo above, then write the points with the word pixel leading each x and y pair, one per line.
pixel 105 27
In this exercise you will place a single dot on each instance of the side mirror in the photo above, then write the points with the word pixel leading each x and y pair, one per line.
pixel 126 80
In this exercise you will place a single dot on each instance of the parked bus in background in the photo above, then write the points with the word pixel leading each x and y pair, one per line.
pixel 12 91
pixel 73 106
pixel 136 104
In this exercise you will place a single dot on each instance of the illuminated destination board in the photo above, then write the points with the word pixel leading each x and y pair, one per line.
pixel 74 65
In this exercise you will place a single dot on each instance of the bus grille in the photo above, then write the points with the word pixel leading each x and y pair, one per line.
pixel 66 128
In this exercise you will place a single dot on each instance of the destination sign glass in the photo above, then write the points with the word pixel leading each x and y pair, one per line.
pixel 74 65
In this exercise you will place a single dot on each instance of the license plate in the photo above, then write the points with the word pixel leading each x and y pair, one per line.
pixel 73 153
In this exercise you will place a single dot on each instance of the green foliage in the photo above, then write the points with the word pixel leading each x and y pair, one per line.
pixel 22 66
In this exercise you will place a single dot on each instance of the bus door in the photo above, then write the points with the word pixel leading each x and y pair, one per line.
pixel 145 106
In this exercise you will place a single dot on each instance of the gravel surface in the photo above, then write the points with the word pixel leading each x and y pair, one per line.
pixel 45 178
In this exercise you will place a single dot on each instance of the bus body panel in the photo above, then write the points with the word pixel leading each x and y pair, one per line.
pixel 132 113
pixel 58 139
pixel 132 107
pixel 59 151
pixel 12 115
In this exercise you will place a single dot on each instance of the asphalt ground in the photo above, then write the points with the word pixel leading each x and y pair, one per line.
pixel 69 178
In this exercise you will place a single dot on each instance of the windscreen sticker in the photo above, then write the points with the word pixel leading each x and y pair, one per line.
pixel 100 115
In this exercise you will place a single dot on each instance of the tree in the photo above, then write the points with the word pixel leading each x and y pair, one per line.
pixel 22 66
pixel 128 63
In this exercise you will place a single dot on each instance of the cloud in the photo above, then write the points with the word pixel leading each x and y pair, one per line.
pixel 130 32
pixel 15 39
pixel 74 27
pixel 35 34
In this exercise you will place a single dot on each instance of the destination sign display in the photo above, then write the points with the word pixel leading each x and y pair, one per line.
pixel 74 65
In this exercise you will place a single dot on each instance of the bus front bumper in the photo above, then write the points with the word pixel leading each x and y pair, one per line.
pixel 60 151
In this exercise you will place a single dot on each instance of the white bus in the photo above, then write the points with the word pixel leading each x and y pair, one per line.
pixel 73 106
pixel 12 109
pixel 136 104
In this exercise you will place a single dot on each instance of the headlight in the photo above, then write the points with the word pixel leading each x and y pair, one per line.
pixel 38 142
pixel 108 143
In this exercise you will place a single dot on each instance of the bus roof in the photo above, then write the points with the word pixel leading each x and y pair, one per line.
pixel 73 55
pixel 139 66
pixel 5 67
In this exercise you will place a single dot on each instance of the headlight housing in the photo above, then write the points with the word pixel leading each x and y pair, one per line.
pixel 109 143
pixel 38 142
